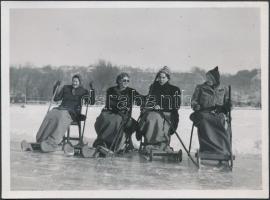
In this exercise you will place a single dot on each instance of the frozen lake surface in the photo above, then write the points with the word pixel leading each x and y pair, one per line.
pixel 54 171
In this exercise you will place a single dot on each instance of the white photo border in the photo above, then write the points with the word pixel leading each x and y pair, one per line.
pixel 7 193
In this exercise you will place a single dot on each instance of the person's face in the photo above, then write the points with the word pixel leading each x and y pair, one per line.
pixel 124 82
pixel 209 80
pixel 75 82
pixel 162 78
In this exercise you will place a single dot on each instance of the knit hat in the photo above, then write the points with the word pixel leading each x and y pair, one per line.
pixel 214 74
pixel 165 70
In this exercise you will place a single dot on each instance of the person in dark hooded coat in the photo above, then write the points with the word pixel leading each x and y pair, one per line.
pixel 211 104
pixel 159 117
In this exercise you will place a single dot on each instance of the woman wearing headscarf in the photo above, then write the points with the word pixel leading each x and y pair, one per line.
pixel 114 126
pixel 57 120
pixel 159 117
pixel 211 104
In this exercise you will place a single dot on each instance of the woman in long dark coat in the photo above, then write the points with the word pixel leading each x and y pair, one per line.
pixel 57 121
pixel 115 125
pixel 159 118
pixel 211 104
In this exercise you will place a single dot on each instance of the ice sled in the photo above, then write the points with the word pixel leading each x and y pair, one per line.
pixel 154 154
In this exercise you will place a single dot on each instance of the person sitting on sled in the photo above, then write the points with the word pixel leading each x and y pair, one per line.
pixel 211 104
pixel 114 126
pixel 159 118
pixel 57 120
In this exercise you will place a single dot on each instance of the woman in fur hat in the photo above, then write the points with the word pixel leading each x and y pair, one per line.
pixel 57 121
pixel 159 117
pixel 115 125
pixel 211 103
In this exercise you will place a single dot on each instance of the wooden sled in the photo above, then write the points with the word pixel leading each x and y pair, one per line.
pixel 155 153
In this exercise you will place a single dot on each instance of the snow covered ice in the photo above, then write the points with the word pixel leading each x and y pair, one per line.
pixel 54 171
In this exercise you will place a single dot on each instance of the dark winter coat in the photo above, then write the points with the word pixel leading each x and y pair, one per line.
pixel 73 101
pixel 211 98
pixel 168 97
pixel 210 119
pixel 121 102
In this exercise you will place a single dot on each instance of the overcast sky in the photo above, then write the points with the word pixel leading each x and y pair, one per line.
pixel 140 37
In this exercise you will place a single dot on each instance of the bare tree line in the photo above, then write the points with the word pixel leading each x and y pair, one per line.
pixel 30 82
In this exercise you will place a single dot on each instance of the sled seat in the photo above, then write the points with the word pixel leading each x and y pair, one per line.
pixel 67 137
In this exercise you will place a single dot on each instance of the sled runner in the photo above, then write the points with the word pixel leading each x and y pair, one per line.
pixel 86 151
pixel 176 156
pixel 104 152
pixel 79 150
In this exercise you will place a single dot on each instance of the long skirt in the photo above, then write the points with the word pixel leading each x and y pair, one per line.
pixel 52 129
pixel 109 127
pixel 214 133
pixel 155 129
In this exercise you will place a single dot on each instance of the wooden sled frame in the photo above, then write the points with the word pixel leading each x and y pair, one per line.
pixel 66 141
pixel 214 156
pixel 177 156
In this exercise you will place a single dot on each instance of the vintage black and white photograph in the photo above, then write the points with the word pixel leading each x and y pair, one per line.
pixel 134 99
